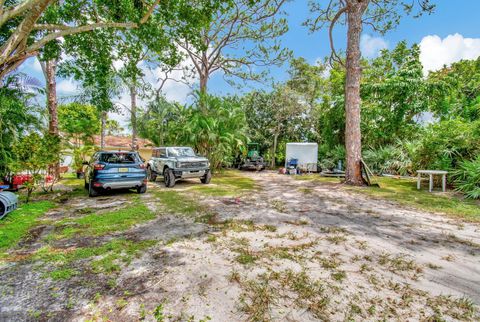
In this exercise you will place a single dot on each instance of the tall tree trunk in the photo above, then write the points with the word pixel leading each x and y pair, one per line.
pixel 103 129
pixel 274 150
pixel 49 71
pixel 133 116
pixel 203 83
pixel 353 140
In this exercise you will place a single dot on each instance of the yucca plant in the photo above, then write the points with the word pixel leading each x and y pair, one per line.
pixel 467 178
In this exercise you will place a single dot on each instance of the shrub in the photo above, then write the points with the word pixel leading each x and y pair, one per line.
pixel 467 178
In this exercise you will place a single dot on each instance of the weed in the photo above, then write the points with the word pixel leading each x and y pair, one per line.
pixel 305 190
pixel 211 239
pixel 62 274
pixel 257 299
pixel 120 303
pixel 234 276
pixel 246 257
pixel 278 205
pixel 339 276
pixel 336 239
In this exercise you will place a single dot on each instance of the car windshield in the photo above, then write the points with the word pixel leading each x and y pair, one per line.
pixel 118 158
pixel 181 152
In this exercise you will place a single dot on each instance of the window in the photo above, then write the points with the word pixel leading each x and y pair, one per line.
pixel 181 152
pixel 162 153
pixel 118 158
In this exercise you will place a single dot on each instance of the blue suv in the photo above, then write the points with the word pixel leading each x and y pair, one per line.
pixel 109 170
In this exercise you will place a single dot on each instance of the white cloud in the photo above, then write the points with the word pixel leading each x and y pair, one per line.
pixel 371 46
pixel 437 52
pixel 67 86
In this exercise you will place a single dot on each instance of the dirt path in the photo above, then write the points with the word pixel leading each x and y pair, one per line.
pixel 293 250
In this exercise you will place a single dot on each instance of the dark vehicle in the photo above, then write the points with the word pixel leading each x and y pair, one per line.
pixel 109 170
pixel 253 160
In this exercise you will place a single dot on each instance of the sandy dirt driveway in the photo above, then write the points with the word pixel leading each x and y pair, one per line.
pixel 291 250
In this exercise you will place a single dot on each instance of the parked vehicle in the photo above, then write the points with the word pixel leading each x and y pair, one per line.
pixel 253 160
pixel 109 170
pixel 175 163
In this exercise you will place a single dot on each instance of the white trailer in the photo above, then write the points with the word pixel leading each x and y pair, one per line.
pixel 305 153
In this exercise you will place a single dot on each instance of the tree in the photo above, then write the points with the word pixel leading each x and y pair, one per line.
pixel 274 115
pixel 113 127
pixel 25 27
pixel 394 93
pixel 17 117
pixel 34 153
pixel 456 90
pixel 381 16
pixel 253 25
pixel 79 122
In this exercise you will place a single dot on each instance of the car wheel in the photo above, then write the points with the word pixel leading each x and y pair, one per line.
pixel 206 178
pixel 142 188
pixel 92 192
pixel 151 175
pixel 169 178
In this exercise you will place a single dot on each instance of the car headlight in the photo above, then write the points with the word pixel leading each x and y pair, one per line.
pixel 179 164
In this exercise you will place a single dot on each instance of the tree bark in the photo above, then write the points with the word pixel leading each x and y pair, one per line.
pixel 103 129
pixel 133 116
pixel 49 70
pixel 274 150
pixel 353 140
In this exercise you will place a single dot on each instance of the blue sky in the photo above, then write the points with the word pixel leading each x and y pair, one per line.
pixel 448 35
pixel 450 18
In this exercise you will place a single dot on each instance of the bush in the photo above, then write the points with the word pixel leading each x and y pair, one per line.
pixel 391 159
pixel 467 178
pixel 445 144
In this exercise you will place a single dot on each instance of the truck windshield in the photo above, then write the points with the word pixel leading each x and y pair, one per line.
pixel 181 152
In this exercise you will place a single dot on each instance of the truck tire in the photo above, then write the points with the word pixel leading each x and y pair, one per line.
pixel 206 178
pixel 152 176
pixel 169 178
pixel 91 190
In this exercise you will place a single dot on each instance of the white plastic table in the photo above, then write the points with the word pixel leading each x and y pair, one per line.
pixel 431 173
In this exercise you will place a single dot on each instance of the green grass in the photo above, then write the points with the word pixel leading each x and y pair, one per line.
pixel 112 254
pixel 404 191
pixel 176 202
pixel 227 183
pixel 16 225
pixel 105 223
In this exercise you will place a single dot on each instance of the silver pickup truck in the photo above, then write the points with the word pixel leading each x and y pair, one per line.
pixel 174 163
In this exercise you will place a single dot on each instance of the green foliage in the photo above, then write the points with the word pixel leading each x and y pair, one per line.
pixel 34 153
pixel 16 225
pixel 456 90
pixel 444 144
pixel 393 95
pixel 214 127
pixel 17 117
pixel 467 178
pixel 80 122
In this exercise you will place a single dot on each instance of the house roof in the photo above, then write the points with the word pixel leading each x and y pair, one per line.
pixel 122 142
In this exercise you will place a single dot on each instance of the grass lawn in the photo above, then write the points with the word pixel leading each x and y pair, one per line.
pixel 16 224
pixel 404 191
pixel 227 183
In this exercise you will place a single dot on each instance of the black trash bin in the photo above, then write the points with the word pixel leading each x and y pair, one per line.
pixel 8 203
